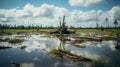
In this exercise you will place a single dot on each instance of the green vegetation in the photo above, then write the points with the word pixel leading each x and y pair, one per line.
pixel 111 32
pixel 78 31
pixel 98 63
pixel 60 52
pixel 23 47
pixel 115 23
pixel 57 52
pixel 10 31
pixel 16 40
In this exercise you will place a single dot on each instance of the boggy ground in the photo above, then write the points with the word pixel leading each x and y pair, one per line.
pixel 111 32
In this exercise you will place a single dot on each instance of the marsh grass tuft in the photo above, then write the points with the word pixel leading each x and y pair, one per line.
pixel 60 52
pixel 57 52
pixel 16 40
pixel 98 63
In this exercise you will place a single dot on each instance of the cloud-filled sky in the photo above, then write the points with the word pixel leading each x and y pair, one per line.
pixel 84 13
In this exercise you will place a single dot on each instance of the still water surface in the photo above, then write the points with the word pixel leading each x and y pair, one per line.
pixel 33 55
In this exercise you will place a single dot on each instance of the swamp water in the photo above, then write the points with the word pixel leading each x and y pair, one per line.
pixel 32 52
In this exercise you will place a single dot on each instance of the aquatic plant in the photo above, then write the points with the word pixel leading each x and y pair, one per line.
pixel 23 47
pixel 16 40
pixel 59 52
pixel 98 63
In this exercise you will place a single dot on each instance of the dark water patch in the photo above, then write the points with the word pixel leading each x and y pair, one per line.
pixel 3 47
pixel 98 63
pixel 117 47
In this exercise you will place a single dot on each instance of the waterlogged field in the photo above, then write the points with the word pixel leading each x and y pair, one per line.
pixel 83 49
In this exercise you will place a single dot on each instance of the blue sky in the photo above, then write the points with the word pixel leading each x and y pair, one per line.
pixel 83 13
pixel 8 4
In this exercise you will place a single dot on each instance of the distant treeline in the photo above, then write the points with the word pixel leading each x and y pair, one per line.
pixel 6 26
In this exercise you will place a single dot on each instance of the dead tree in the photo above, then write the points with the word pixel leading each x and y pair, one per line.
pixel 62 29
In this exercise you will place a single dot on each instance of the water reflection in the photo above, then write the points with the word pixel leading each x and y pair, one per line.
pixel 118 44
pixel 35 47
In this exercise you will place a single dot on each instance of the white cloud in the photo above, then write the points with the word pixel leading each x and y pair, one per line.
pixel 84 3
pixel 45 11
pixel 49 15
